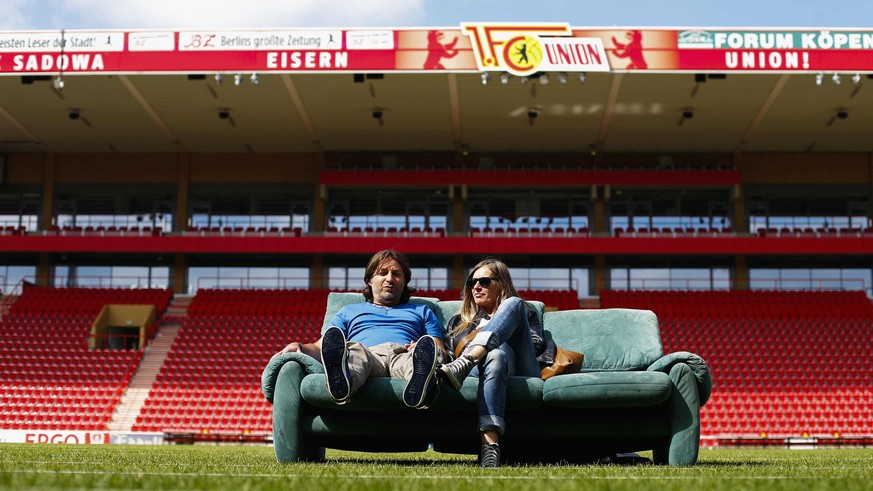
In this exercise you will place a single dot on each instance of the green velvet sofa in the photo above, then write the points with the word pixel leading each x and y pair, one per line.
pixel 628 397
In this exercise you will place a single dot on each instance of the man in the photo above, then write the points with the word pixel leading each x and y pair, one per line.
pixel 383 337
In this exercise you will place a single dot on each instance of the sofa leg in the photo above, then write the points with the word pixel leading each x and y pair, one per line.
pixel 660 454
pixel 312 453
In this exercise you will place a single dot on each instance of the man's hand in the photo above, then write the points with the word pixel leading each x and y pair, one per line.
pixel 311 349
pixel 291 348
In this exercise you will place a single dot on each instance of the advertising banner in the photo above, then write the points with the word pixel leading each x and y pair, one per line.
pixel 55 436
pixel 520 49
pixel 80 437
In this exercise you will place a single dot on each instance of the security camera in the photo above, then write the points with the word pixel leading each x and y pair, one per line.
pixel 223 114
pixel 74 115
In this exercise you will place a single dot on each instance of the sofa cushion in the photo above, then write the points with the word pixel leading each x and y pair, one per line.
pixel 607 389
pixel 386 394
pixel 610 339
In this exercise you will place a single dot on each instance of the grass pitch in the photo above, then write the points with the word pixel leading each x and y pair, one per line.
pixel 47 467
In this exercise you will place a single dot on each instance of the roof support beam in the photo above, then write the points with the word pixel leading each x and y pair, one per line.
pixel 20 127
pixel 455 107
pixel 762 112
pixel 609 110
pixel 291 89
pixel 125 80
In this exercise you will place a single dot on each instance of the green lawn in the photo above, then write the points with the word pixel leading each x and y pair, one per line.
pixel 44 467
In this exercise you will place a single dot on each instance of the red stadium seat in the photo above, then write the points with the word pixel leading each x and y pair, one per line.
pixel 768 351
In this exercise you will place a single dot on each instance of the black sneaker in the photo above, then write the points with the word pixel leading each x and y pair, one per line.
pixel 456 371
pixel 422 383
pixel 489 455
pixel 333 356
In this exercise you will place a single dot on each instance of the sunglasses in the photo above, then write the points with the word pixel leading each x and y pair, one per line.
pixel 485 281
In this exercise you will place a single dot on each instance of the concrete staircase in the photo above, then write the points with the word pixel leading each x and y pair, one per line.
pixel 178 308
pixel 6 304
pixel 137 391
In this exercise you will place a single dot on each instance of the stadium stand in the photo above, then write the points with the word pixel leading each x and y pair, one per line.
pixel 210 380
pixel 784 364
pixel 51 378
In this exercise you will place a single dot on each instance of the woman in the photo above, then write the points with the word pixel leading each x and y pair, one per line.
pixel 494 336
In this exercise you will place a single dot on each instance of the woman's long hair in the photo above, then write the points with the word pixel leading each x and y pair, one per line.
pixel 498 270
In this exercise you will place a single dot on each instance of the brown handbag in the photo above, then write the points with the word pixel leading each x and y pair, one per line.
pixel 566 361
pixel 462 343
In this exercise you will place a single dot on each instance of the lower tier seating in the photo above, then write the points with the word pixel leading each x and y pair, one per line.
pixel 784 364
pixel 50 379
pixel 210 381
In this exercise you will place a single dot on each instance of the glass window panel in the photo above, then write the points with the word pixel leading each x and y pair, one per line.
pixel 579 278
pixel 689 279
pixel 340 278
pixel 721 279
pixel 17 273
pixel 336 278
pixel 294 277
pixel 649 279
pixel 12 275
pixel 232 277
pixel 262 278
pixel 826 279
pixel 857 279
pixel 61 276
pixel 618 278
pixel 763 279
pixel 201 278
pixel 619 222
pixel 93 276
pixel 549 279
pixel 430 278
pixel 160 277
pixel 129 276
pixel 794 279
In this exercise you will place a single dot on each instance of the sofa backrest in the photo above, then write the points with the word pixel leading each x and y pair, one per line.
pixel 451 307
pixel 444 310
pixel 610 339
pixel 338 300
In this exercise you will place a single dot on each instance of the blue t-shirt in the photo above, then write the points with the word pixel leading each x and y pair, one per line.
pixel 370 324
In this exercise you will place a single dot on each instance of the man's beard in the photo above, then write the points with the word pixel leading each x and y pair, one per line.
pixel 387 297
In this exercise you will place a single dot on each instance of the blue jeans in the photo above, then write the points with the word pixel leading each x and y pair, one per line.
pixel 510 352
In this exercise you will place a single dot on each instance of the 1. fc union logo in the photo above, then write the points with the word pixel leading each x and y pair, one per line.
pixel 523 49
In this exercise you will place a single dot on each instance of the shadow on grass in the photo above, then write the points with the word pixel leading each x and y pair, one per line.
pixel 403 462
pixel 732 463
pixel 411 462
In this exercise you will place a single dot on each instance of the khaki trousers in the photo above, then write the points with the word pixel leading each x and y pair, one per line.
pixel 382 360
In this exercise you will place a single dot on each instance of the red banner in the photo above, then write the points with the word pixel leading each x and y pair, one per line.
pixel 521 49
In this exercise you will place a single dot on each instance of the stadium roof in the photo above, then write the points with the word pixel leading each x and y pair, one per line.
pixel 413 90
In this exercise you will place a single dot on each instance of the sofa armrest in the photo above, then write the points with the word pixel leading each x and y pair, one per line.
pixel 271 371
pixel 698 368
